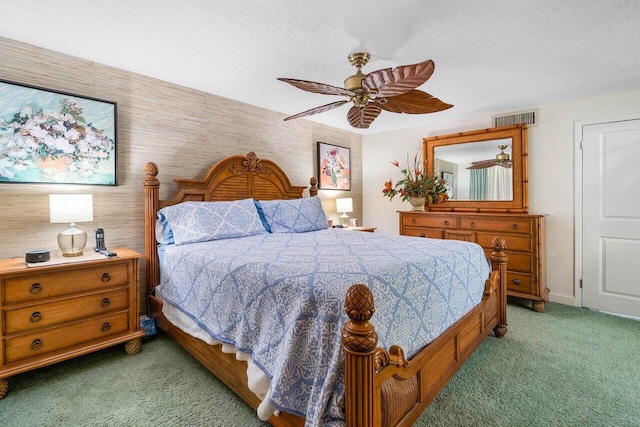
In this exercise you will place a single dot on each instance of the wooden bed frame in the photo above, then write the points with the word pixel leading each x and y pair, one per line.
pixel 381 387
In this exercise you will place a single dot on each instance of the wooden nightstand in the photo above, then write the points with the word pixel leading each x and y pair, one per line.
pixel 367 229
pixel 55 312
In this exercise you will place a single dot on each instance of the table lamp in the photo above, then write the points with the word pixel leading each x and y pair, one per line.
pixel 71 208
pixel 344 205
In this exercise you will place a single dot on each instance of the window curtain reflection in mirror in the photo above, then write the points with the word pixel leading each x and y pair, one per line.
pixel 478 186
pixel 492 183
pixel 499 185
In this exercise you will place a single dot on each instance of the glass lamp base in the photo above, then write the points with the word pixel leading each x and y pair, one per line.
pixel 72 241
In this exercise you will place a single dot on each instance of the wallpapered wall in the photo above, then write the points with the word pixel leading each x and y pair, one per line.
pixel 182 130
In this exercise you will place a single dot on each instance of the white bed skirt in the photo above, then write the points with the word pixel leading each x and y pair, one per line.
pixel 258 381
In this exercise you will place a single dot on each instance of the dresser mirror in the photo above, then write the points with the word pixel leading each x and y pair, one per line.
pixel 484 170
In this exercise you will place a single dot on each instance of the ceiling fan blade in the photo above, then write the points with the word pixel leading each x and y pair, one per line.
pixel 362 117
pixel 399 80
pixel 414 102
pixel 315 87
pixel 320 109
pixel 484 164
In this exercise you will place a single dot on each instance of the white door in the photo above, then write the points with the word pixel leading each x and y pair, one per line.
pixel 611 217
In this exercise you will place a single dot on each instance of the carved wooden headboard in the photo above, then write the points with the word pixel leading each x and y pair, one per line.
pixel 233 178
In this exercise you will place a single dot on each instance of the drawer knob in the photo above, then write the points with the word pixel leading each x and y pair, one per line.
pixel 446 222
pixel 36 288
pixel 422 235
pixel 473 224
pixel 516 281
pixel 36 345
pixel 36 317
pixel 413 221
pixel 106 277
pixel 106 327
pixel 514 226
pixel 105 302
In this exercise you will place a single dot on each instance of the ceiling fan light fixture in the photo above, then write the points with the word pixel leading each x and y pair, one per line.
pixel 396 89
pixel 354 82
pixel 502 156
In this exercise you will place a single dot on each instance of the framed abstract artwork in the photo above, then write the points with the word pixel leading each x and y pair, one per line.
pixel 334 171
pixel 48 136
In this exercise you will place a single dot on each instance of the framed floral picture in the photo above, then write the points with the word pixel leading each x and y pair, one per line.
pixel 48 136
pixel 334 171
pixel 448 183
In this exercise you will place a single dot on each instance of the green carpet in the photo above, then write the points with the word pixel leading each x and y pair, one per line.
pixel 566 367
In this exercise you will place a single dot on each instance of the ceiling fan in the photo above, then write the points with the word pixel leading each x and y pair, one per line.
pixel 502 159
pixel 388 89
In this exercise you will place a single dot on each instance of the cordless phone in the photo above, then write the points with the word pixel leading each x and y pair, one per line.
pixel 99 240
pixel 100 247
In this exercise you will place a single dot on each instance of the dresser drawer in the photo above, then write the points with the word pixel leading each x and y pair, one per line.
pixel 40 343
pixel 424 232
pixel 518 282
pixel 36 287
pixel 57 312
pixel 433 221
pixel 521 243
pixel 517 262
pixel 497 224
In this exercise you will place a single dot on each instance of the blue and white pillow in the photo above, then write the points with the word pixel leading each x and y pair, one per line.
pixel 193 222
pixel 294 216
pixel 164 233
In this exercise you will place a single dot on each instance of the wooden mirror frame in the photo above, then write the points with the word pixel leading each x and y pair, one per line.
pixel 518 135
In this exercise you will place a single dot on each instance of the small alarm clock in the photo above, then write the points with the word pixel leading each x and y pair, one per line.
pixel 37 255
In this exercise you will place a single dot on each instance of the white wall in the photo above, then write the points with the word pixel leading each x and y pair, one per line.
pixel 551 174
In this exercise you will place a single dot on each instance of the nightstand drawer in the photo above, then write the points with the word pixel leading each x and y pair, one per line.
pixel 58 312
pixel 36 287
pixel 37 344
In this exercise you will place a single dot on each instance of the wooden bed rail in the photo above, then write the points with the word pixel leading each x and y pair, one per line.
pixel 365 364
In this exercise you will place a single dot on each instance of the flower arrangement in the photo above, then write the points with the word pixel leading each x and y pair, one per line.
pixel 416 183
pixel 34 138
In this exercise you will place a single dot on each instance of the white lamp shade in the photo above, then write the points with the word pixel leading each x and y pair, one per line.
pixel 344 205
pixel 70 208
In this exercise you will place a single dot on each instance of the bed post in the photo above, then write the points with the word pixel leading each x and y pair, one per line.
pixel 151 188
pixel 359 340
pixel 499 263
pixel 313 190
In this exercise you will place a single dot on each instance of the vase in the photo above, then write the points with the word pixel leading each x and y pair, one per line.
pixel 417 203
pixel 53 169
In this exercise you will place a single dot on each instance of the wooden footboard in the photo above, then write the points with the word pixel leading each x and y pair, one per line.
pixel 383 388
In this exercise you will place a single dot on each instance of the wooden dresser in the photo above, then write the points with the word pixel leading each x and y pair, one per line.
pixel 55 312
pixel 523 233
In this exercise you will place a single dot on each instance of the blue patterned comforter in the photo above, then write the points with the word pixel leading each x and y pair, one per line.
pixel 280 297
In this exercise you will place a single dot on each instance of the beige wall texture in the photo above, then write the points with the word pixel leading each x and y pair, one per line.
pixel 182 130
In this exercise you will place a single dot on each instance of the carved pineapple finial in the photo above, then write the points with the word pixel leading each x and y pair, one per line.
pixel 151 170
pixel 358 335
pixel 499 245
pixel 359 303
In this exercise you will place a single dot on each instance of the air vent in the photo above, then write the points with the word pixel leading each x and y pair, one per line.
pixel 528 117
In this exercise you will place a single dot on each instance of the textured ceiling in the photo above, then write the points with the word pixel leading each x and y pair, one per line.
pixel 490 55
